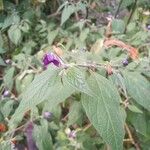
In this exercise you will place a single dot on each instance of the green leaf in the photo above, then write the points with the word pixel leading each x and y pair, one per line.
pixel 58 93
pixel 75 113
pixel 28 46
pixel 81 6
pixel 138 88
pixel 135 109
pixel 2 62
pixel 84 34
pixel 7 108
pixel 25 27
pixel 45 87
pixel 118 81
pixel 126 3
pixel 42 136
pixel 75 77
pixel 66 13
pixel 51 36
pixel 118 26
pixel 140 122
pixel 104 111
pixel 5 145
pixel 12 19
pixel 14 34
pixel 8 78
pixel 36 93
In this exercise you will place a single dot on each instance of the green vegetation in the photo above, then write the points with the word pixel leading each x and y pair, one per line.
pixel 74 75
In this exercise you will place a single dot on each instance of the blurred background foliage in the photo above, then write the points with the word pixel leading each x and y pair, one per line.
pixel 30 28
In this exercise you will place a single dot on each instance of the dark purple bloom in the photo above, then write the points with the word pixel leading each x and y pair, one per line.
pixel 47 115
pixel 6 93
pixel 30 141
pixel 125 62
pixel 51 58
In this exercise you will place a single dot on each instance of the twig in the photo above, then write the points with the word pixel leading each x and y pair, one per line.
pixel 129 134
pixel 54 14
pixel 127 140
pixel 118 8
pixel 87 127
pixel 77 16
pixel 17 2
pixel 131 137
pixel 65 118
pixel 19 128
pixel 131 14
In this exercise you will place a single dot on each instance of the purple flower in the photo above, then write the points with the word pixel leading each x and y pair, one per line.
pixel 47 115
pixel 30 141
pixel 125 62
pixel 51 58
pixel 6 93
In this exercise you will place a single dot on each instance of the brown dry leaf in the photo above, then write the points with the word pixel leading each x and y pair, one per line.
pixel 57 50
pixel 97 46
pixel 133 52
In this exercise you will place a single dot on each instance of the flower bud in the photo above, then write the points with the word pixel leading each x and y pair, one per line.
pixel 125 62
pixel 47 115
pixel 6 93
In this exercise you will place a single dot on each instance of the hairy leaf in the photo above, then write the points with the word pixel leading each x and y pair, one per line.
pixel 46 86
pixel 67 12
pixel 138 88
pixel 76 79
pixel 8 78
pixel 75 113
pixel 42 136
pixel 104 112
pixel 118 26
pixel 58 93
pixel 14 34
pixel 36 92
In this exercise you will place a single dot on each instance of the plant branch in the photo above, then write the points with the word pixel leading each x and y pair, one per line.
pixel 87 127
pixel 16 2
pixel 118 8
pixel 130 17
pixel 54 14
pixel 131 137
